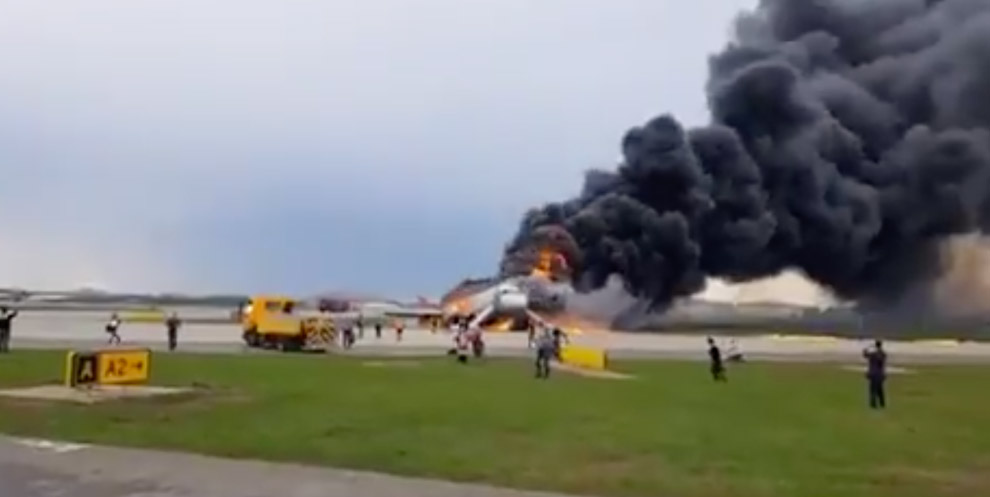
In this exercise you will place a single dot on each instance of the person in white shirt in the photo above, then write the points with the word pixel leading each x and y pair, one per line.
pixel 112 327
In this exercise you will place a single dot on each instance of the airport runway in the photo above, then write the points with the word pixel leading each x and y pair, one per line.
pixel 42 469
pixel 85 330
pixel 37 468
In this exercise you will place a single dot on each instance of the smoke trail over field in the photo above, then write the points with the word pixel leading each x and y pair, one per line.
pixel 849 138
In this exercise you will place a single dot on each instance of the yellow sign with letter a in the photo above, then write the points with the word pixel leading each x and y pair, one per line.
pixel 123 366
pixel 80 368
pixel 107 367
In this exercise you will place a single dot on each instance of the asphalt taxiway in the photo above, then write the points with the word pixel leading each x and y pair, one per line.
pixel 43 468
pixel 73 330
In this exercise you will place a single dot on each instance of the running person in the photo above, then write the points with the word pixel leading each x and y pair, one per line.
pixel 112 328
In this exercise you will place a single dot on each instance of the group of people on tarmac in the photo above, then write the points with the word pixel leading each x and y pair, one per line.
pixel 172 325
pixel 112 329
pixel 876 369
pixel 467 341
pixel 546 340
pixel 353 332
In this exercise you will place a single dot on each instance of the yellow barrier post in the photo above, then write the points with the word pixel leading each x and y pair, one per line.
pixel 584 357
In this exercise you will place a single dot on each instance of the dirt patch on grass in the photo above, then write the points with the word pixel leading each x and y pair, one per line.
pixel 947 482
pixel 890 370
pixel 391 364
pixel 93 395
pixel 591 373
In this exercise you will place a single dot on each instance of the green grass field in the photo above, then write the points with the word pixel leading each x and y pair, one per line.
pixel 774 430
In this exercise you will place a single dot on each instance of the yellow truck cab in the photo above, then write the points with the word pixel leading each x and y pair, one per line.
pixel 272 321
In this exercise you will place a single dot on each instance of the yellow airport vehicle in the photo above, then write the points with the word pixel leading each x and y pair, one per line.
pixel 275 322
pixel 107 367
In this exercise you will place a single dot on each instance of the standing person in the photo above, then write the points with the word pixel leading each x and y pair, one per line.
pixel 461 346
pixel 544 351
pixel 477 343
pixel 399 327
pixel 6 321
pixel 360 327
pixel 734 354
pixel 715 358
pixel 559 337
pixel 348 337
pixel 111 328
pixel 876 374
pixel 378 329
pixel 172 324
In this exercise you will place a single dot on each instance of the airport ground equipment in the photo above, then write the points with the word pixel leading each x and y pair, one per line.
pixel 277 322
pixel 584 357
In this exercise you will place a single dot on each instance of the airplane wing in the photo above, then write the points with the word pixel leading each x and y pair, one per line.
pixel 414 313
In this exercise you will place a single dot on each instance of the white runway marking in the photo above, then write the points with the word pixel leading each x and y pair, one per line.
pixel 50 445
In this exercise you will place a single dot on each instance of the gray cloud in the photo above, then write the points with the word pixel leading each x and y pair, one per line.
pixel 142 142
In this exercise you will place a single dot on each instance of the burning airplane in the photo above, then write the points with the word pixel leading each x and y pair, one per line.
pixel 511 302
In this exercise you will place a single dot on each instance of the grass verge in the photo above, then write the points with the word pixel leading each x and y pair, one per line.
pixel 773 430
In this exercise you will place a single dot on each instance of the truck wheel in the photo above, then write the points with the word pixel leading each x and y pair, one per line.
pixel 251 338
pixel 290 344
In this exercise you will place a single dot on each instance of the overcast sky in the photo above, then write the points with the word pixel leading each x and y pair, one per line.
pixel 287 145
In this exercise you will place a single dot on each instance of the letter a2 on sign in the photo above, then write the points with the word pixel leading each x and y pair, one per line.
pixel 124 366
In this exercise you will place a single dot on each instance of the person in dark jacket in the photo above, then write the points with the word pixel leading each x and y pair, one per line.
pixel 545 347
pixel 717 367
pixel 876 374
pixel 172 325
pixel 348 338
pixel 6 323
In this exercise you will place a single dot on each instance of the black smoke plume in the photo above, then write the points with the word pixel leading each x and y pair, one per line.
pixel 848 138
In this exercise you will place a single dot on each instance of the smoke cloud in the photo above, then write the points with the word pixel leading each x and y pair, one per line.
pixel 848 140
pixel 962 290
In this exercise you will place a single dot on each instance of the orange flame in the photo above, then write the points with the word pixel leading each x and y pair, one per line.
pixel 574 325
pixel 547 264
pixel 503 324
pixel 457 307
